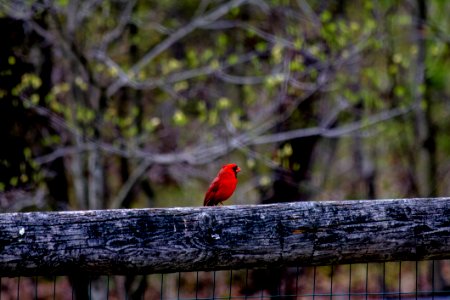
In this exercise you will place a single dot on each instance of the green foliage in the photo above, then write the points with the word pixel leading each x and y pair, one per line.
pixel 277 64
pixel 29 82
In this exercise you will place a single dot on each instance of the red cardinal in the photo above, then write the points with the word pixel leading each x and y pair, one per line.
pixel 222 186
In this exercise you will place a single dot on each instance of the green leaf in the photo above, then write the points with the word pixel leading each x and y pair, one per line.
pixel 233 59
pixel 325 16
pixel 223 103
pixel 14 181
pixel 179 118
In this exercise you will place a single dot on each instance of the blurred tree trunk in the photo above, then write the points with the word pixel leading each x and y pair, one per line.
pixel 425 128
pixel 134 285
pixel 17 123
pixel 365 175
pixel 408 146
pixel 57 185
pixel 364 178
pixel 290 179
pixel 424 124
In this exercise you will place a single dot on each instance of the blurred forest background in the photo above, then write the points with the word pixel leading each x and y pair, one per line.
pixel 127 103
pixel 109 104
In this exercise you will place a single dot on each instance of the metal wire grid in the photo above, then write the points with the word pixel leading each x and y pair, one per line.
pixel 390 280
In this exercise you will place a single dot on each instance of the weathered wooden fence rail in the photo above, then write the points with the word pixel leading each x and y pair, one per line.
pixel 189 239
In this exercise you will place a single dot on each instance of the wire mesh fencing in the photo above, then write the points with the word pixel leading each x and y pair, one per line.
pixel 389 280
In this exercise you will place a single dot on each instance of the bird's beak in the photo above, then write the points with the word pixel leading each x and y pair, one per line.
pixel 238 170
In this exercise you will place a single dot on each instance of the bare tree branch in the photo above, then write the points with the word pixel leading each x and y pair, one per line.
pixel 332 133
pixel 85 10
pixel 173 38
pixel 124 20
pixel 128 185
pixel 152 83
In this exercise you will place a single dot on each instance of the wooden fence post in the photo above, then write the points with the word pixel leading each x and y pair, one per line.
pixel 213 238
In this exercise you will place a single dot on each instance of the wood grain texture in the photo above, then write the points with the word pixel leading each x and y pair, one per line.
pixel 207 238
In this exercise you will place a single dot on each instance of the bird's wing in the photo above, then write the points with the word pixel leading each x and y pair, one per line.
pixel 210 194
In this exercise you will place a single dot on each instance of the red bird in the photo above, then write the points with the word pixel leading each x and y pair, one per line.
pixel 223 186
